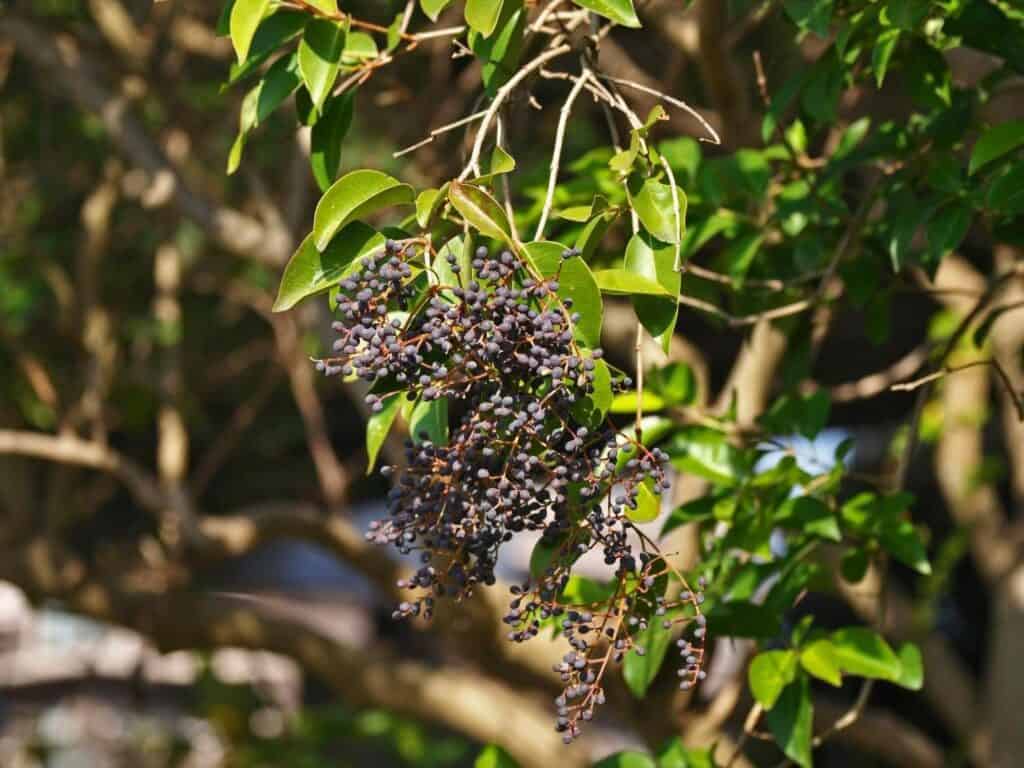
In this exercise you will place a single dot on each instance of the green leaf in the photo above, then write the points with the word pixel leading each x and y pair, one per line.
pixel 483 15
pixel 576 282
pixel 273 32
pixel 320 57
pixel 702 508
pixel 995 142
pixel 481 211
pixel 246 16
pixel 501 162
pixel 579 590
pixel 310 271
pixel 901 540
pixel 626 759
pixel 740 254
pixel 741 618
pixel 819 659
pixel 911 667
pixel 652 202
pixel 442 273
pixel 619 11
pixel 675 383
pixel 813 15
pixel 277 85
pixel 863 652
pixel 791 721
pixel 674 755
pixel 542 556
pixel 377 428
pixel 948 228
pixel 706 453
pixel 499 52
pixel 654 260
pixel 627 402
pixel 639 671
pixel 812 516
pixel 769 673
pixel 433 8
pixel 599 219
pixel 882 54
pixel 621 282
pixel 353 196
pixel 648 504
pixel 327 136
pixel 1006 192
pixel 359 48
pixel 430 418
pixel 494 756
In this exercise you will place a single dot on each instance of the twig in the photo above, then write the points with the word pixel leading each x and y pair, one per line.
pixel 556 154
pixel 741 320
pixel 439 131
pixel 499 98
pixel 715 138
pixel 909 386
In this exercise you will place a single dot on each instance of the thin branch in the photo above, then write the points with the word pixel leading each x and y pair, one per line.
pixel 714 137
pixel 473 165
pixel 742 320
pixel 556 153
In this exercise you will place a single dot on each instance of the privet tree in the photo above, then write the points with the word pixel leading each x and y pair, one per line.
pixel 470 314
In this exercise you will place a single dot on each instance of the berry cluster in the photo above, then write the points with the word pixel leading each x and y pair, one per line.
pixel 525 451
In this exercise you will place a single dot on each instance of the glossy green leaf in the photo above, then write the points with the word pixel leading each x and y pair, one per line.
pixel 863 652
pixel 639 671
pixel 481 210
pixel 648 504
pixel 311 271
pixel 430 419
pixel 327 136
pixel 627 402
pixel 769 673
pixel 498 52
pixel 911 667
pixel 1006 192
pixel 623 283
pixel 246 16
pixel 274 31
pixel 494 756
pixel 483 15
pixel 675 383
pixel 576 282
pixel 598 220
pixel 360 47
pixel 791 721
pixel 882 54
pixel 579 590
pixel 501 162
pixel 433 8
pixel 656 261
pixel 441 272
pixel 819 659
pixel 812 15
pixel 702 508
pixel 652 201
pixel 619 11
pixel 353 196
pixel 673 754
pixel 901 539
pixel 277 85
pixel 320 57
pixel 997 141
pixel 810 515
pixel 377 428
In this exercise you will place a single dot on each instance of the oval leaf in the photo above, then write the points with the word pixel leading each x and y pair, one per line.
pixel 310 271
pixel 327 136
pixel 377 428
pixel 483 15
pixel 320 57
pixel 246 16
pixel 576 282
pixel 652 202
pixel 481 210
pixel 654 260
pixel 354 195
pixel 621 282
pixel 619 11
pixel 768 675
pixel 993 144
